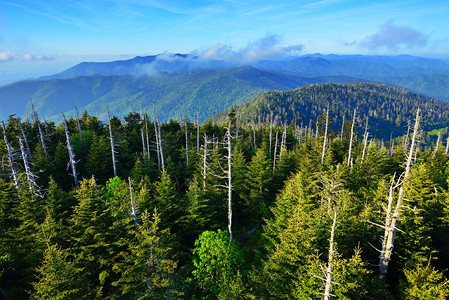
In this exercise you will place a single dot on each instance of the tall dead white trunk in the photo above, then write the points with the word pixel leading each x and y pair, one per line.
pixel 205 161
pixel 26 164
pixel 391 223
pixel 330 260
pixel 133 208
pixel 350 141
pixel 187 141
pixel 283 142
pixel 41 135
pixel 365 141
pixel 144 149
pixel 237 127
pixel 112 145
pixel 147 135
pixel 437 144
pixel 325 135
pixel 275 150
pixel 28 150
pixel 161 149
pixel 229 175
pixel 72 160
pixel 12 165
pixel 156 134
pixel 271 131
pixel 198 132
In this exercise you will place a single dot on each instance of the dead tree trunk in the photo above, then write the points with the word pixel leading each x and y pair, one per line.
pixel 330 260
pixel 198 132
pixel 205 161
pixel 156 134
pixel 112 145
pixel 26 164
pixel 438 143
pixel 229 175
pixel 72 160
pixel 187 141
pixel 160 145
pixel 144 149
pixel 237 127
pixel 325 135
pixel 350 141
pixel 275 150
pixel 133 208
pixel 391 223
pixel 147 135
pixel 365 141
pixel 271 131
pixel 41 135
pixel 79 129
pixel 12 165
pixel 28 150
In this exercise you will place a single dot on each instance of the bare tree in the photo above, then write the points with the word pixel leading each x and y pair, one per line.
pixel 12 165
pixel 350 140
pixel 365 141
pixel 111 138
pixel 229 175
pixel 330 260
pixel 392 218
pixel 30 176
pixel 72 160
pixel 41 135
pixel 271 131
pixel 28 150
pixel 187 141
pixel 133 208
pixel 275 150
pixel 325 135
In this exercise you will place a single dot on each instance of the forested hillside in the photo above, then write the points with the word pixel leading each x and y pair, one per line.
pixel 389 109
pixel 263 209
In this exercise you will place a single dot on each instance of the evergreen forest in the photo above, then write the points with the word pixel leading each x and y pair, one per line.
pixel 324 192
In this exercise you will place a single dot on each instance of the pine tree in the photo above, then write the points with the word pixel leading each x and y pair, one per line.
pixel 150 269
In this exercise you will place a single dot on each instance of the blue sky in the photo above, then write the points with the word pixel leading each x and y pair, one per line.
pixel 44 37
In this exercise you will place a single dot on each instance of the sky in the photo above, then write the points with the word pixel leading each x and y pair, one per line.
pixel 40 38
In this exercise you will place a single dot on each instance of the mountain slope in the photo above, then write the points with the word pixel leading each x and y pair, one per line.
pixel 388 108
pixel 174 95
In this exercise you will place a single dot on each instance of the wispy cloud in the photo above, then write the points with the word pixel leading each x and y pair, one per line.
pixel 7 56
pixel 264 48
pixel 392 37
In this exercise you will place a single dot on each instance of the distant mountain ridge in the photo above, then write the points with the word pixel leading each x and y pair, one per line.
pixel 181 84
pixel 174 95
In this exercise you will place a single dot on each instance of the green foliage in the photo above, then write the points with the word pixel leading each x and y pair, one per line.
pixel 216 260
pixel 150 268
pixel 423 282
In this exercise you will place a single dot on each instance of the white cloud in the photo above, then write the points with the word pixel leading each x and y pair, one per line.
pixel 392 37
pixel 7 56
pixel 264 48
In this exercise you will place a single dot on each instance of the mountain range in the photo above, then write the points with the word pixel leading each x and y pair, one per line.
pixel 178 85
